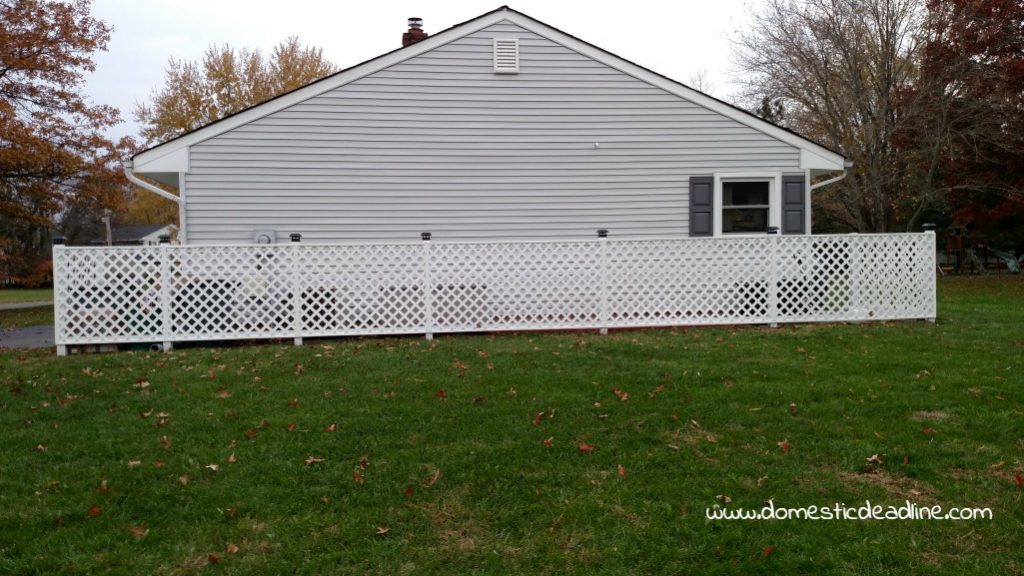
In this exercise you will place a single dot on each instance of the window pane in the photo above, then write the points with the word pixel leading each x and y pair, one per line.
pixel 745 193
pixel 744 220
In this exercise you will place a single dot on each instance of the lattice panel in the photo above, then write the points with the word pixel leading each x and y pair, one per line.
pixel 178 293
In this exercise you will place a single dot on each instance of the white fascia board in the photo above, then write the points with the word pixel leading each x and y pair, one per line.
pixel 173 159
pixel 810 160
pixel 176 151
pixel 821 154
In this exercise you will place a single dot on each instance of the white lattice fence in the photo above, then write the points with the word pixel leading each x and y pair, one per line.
pixel 181 293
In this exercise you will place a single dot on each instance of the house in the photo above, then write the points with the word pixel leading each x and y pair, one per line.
pixel 138 234
pixel 501 127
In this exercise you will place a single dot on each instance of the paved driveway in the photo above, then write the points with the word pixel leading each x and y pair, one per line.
pixel 30 336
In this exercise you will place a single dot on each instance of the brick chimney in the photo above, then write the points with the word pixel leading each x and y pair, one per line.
pixel 415 33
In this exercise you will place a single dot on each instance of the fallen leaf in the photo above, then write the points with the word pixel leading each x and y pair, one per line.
pixel 1018 479
pixel 103 489
pixel 874 459
pixel 711 438
pixel 432 479
pixel 232 459
pixel 231 549
pixel 299 369
pixel 213 467
pixel 134 463
pixel 784 444
pixel 95 511
pixel 442 393
pixel 292 426
pixel 767 551
pixel 409 491
pixel 792 407
pixel 293 403
pixel 330 428
pixel 364 462
pixel 223 393
pixel 974 391
pixel 622 472
pixel 654 393
pixel 249 432
pixel 313 460
pixel 929 431
pixel 165 443
pixel 357 476
pixel 673 447
pixel 478 400
pixel 159 463
pixel 586 448
pixel 139 532
pixel 622 394
pixel 232 511
pixel 183 479
pixel 761 481
pixel 549 442
pixel 383 530
pixel 213 558
pixel 40 448
pixel 536 418
pixel 264 423
pixel 725 499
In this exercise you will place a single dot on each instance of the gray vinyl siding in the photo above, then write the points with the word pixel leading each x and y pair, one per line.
pixel 441 143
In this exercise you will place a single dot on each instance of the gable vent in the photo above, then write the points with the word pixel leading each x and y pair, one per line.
pixel 506 55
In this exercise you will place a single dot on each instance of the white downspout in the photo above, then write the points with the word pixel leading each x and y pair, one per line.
pixel 164 194
pixel 143 184
pixel 846 167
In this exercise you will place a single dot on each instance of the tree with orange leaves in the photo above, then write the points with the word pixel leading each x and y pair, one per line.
pixel 54 156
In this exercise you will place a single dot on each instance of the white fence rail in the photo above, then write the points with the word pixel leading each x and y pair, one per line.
pixel 185 293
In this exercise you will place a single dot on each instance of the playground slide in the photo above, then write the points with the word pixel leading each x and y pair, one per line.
pixel 1011 263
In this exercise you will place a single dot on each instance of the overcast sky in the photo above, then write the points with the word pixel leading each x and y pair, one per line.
pixel 676 38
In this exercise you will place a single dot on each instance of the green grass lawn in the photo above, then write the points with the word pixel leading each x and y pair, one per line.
pixel 22 317
pixel 12 295
pixel 462 455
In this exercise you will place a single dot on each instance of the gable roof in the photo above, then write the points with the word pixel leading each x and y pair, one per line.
pixel 172 156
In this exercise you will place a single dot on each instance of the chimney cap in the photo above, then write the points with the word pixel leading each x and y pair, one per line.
pixel 415 22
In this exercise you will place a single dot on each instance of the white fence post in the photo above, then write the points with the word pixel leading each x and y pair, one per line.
pixel 165 293
pixel 773 277
pixel 428 289
pixel 602 263
pixel 58 294
pixel 930 245
pixel 297 283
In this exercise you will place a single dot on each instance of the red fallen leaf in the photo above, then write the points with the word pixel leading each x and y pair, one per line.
pixel 313 460
pixel 622 472
pixel 586 448
pixel 906 460
pixel 364 462
pixel 929 431
pixel 183 479
pixel 432 479
pixel 292 426
pixel 767 551
pixel 442 393
pixel 622 394
pixel 784 444
pixel 293 403
pixel 654 393
pixel 232 459
pixel 549 442
pixel 159 463
pixel 139 532
pixel 95 511
pixel 536 418
pixel 103 489
pixel 249 432
pixel 478 400
pixel 213 558
pixel 165 443
pixel 330 428
pixel 223 393
pixel 1018 479
pixel 357 476
pixel 409 491
pixel 231 549
pixel 232 511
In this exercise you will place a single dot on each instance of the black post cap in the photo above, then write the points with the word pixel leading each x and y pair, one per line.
pixel 295 236
pixel 58 240
pixel 602 233
pixel 773 229
pixel 929 226
pixel 425 236
pixel 165 238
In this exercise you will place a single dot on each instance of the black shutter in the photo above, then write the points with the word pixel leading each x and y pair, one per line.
pixel 702 206
pixel 794 205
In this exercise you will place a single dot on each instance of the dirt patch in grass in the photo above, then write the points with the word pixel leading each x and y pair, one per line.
pixel 929 416
pixel 455 527
pixel 896 487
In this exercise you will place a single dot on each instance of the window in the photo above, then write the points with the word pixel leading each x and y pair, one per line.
pixel 745 207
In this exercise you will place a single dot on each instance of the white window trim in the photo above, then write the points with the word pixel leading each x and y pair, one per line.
pixel 774 180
